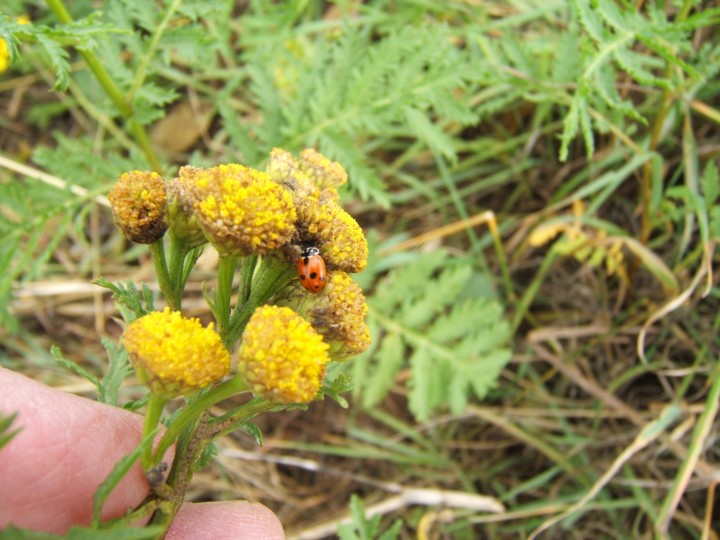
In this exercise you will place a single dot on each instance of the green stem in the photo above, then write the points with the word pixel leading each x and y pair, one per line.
pixel 178 252
pixel 247 270
pixel 527 298
pixel 271 275
pixel 111 89
pixel 668 96
pixel 231 421
pixel 141 70
pixel 157 250
pixel 155 406
pixel 226 273
pixel 502 260
pixel 194 409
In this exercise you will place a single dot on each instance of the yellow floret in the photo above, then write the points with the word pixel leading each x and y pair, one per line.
pixel 281 357
pixel 341 240
pixel 242 210
pixel 174 355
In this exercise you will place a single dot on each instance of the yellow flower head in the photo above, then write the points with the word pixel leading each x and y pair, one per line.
pixel 281 357
pixel 339 315
pixel 173 355
pixel 340 239
pixel 242 210
pixel 183 222
pixel 324 173
pixel 139 206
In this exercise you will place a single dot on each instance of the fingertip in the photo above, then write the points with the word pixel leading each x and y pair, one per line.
pixel 66 446
pixel 225 520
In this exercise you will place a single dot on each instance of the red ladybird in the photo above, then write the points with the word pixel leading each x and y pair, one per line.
pixel 311 270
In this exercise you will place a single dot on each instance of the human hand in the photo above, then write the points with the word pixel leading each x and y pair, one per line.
pixel 68 445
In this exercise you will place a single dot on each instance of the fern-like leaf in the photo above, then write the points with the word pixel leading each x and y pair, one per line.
pixel 454 344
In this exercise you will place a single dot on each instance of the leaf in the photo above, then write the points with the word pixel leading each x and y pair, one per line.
pixel 6 434
pixel 454 343
pixel 430 133
pixel 387 362
pixel 58 57
pixel 254 431
pixel 710 183
pixel 365 528
pixel 590 20
pixel 73 366
pixel 118 472
pixel 633 63
pixel 118 370
pixel 571 125
pixel 132 303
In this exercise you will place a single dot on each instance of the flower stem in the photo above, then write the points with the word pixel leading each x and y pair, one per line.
pixel 271 274
pixel 176 270
pixel 157 250
pixel 111 89
pixel 155 407
pixel 194 409
pixel 226 272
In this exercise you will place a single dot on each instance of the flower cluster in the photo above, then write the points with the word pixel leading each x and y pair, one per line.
pixel 287 342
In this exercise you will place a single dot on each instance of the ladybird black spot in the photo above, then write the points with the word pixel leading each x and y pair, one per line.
pixel 306 260
pixel 313 275
pixel 302 277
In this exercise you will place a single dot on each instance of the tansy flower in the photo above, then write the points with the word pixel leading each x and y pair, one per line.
pixel 173 355
pixel 339 315
pixel 183 222
pixel 340 239
pixel 281 357
pixel 242 210
pixel 139 206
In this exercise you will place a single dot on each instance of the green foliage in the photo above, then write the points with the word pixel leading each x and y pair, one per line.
pixel 118 370
pixel 74 367
pixel 6 434
pixel 120 469
pixel 454 338
pixel 618 40
pixel 333 91
pixel 85 533
pixel 700 201
pixel 366 528
pixel 133 303
pixel 710 184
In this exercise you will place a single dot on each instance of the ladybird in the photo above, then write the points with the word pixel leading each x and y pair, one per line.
pixel 311 270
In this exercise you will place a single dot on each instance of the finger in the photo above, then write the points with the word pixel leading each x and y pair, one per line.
pixel 66 447
pixel 238 520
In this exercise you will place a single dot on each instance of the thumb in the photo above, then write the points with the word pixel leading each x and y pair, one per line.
pixel 225 520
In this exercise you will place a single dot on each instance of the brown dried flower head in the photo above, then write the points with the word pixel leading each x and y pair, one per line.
pixel 139 206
